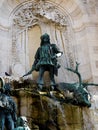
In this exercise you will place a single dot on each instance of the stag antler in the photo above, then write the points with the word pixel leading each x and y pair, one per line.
pixel 77 72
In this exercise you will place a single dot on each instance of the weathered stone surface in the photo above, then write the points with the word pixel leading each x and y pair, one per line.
pixel 46 112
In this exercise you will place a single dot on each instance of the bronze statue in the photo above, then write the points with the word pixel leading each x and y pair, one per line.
pixel 46 60
pixel 79 89
pixel 22 123
pixel 7 107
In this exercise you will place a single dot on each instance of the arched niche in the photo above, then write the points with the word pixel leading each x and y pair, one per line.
pixel 29 21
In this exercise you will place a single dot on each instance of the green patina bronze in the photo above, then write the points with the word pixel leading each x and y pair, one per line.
pixel 46 60
pixel 81 96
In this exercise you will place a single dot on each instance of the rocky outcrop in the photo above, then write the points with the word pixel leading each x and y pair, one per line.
pixel 47 113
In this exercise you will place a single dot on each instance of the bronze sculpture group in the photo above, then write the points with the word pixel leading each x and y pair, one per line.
pixel 46 59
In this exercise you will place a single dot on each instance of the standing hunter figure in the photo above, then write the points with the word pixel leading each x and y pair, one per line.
pixel 46 60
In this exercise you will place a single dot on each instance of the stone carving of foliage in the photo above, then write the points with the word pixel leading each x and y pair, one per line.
pixel 30 14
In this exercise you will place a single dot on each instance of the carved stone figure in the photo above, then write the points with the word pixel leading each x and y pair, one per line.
pixel 22 123
pixel 7 107
pixel 46 60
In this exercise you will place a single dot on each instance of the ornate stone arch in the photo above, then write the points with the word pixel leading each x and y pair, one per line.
pixel 50 18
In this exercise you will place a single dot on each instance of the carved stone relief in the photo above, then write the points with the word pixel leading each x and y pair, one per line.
pixel 31 13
